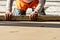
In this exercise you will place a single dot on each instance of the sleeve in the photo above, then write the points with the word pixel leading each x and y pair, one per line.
pixel 9 5
pixel 40 5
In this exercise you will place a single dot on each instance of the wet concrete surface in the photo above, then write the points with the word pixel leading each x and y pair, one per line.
pixel 25 30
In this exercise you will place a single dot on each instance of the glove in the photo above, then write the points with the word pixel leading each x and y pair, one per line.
pixel 8 15
pixel 33 16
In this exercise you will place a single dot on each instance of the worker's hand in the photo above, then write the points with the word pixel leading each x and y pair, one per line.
pixel 33 16
pixel 8 15
pixel 34 12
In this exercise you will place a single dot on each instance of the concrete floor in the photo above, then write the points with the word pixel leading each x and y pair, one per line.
pixel 29 30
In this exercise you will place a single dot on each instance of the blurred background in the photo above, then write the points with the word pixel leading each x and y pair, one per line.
pixel 52 7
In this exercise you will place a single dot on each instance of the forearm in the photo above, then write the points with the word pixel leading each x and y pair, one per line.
pixel 9 5
pixel 40 5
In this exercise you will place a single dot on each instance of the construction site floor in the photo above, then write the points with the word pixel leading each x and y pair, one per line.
pixel 28 30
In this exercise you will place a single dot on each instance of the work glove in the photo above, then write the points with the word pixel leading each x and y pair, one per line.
pixel 8 15
pixel 33 16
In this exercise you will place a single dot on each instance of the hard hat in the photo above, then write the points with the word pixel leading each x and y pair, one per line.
pixel 27 1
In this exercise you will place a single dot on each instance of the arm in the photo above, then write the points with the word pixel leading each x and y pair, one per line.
pixel 38 9
pixel 40 5
pixel 8 13
pixel 9 5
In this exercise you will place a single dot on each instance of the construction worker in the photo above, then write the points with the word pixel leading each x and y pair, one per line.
pixel 23 5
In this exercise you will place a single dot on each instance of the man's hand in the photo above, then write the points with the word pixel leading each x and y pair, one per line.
pixel 8 15
pixel 33 16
